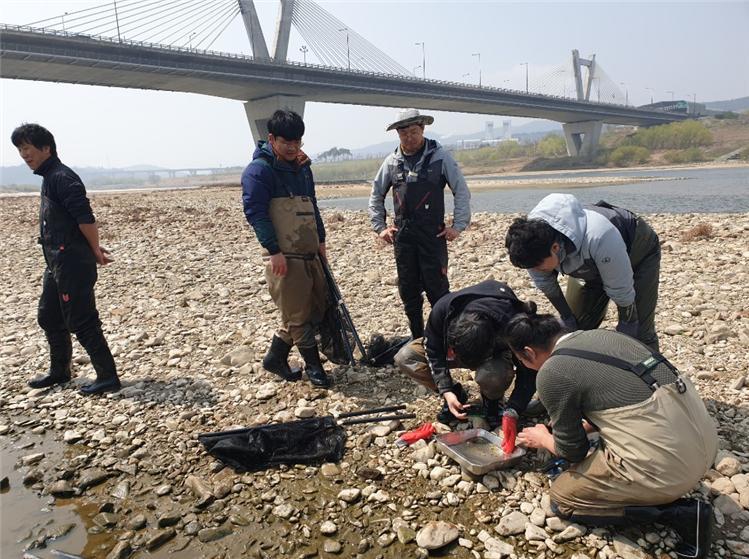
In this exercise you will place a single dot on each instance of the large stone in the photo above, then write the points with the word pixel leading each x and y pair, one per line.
pixel 212 534
pixel 570 533
pixel 727 464
pixel 535 533
pixel 436 534
pixel 158 539
pixel 120 551
pixel 350 495
pixel 201 490
pixel 91 477
pixel 238 357
pixel 61 488
pixel 328 528
pixel 726 505
pixel 628 549
pixel 740 548
pixel 512 524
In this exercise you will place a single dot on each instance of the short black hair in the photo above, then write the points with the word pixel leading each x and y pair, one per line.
pixel 528 241
pixel 287 124
pixel 472 335
pixel 532 330
pixel 34 134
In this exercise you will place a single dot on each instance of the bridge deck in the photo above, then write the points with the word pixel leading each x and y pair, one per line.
pixel 57 57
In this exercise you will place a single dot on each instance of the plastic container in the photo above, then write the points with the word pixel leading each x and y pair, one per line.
pixel 477 451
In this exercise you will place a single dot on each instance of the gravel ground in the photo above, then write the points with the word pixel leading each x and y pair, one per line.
pixel 188 318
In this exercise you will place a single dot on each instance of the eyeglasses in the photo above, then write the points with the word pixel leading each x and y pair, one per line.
pixel 288 144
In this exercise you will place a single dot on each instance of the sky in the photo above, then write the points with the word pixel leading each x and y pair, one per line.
pixel 694 49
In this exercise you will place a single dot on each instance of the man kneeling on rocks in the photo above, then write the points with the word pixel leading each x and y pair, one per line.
pixel 278 193
pixel 657 440
pixel 464 330
pixel 70 243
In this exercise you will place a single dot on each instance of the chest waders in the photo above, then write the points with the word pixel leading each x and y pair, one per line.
pixel 652 453
pixel 300 295
pixel 67 304
pixel 420 256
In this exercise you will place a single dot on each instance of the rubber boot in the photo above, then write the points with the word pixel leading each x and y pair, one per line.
pixel 276 361
pixel 445 415
pixel 96 346
pixel 692 520
pixel 313 367
pixel 491 411
pixel 60 355
pixel 416 324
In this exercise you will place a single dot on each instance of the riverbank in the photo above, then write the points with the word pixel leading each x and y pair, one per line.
pixel 189 319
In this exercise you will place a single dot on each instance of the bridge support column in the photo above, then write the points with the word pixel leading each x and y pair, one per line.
pixel 259 112
pixel 582 137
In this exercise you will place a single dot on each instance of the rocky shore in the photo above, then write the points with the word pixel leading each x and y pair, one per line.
pixel 188 317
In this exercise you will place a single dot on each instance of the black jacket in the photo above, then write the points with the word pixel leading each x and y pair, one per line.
pixel 64 187
pixel 494 299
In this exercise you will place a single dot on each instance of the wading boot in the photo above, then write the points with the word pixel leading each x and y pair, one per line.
pixel 101 359
pixel 445 415
pixel 60 354
pixel 491 411
pixel 692 520
pixel 416 325
pixel 313 367
pixel 276 361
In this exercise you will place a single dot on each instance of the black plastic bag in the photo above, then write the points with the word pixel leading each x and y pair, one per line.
pixel 381 351
pixel 331 341
pixel 307 441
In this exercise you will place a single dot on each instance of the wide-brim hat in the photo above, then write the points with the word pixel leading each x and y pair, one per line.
pixel 406 117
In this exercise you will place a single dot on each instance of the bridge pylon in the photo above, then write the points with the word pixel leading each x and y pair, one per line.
pixel 253 28
pixel 582 137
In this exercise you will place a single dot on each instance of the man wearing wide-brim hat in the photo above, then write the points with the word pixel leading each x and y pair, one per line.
pixel 417 172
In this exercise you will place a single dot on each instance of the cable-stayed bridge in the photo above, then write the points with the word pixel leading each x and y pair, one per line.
pixel 165 45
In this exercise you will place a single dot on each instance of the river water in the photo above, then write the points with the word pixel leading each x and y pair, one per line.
pixel 691 190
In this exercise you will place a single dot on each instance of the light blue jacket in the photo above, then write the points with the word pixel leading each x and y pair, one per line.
pixel 600 253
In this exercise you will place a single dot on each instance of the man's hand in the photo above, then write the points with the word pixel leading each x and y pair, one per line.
pixel 449 233
pixel 278 264
pixel 102 255
pixel 388 234
pixel 537 436
pixel 456 408
pixel 322 251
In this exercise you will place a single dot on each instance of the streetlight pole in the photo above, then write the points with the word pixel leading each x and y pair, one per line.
pixel 626 94
pixel 423 60
pixel 348 50
pixel 304 50
pixel 526 75
pixel 63 21
pixel 694 103
pixel 651 94
pixel 478 54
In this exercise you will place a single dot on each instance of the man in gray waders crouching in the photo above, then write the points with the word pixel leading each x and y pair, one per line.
pixel 607 252
pixel 69 237
pixel 278 194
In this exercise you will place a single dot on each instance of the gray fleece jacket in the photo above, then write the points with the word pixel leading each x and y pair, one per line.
pixel 600 253
pixel 450 170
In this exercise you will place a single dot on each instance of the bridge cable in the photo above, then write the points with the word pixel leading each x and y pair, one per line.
pixel 222 25
pixel 199 23
pixel 124 21
pixel 166 10
pixel 184 19
pixel 174 14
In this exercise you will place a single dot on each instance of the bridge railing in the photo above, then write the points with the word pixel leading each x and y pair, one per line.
pixel 269 61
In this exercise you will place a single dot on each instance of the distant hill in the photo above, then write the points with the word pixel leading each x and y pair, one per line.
pixel 736 105
pixel 530 131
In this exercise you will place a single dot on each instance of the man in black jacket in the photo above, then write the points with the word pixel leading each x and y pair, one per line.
pixel 70 242
pixel 464 331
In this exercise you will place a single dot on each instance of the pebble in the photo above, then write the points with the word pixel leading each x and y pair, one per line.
pixel 212 534
pixel 157 539
pixel 350 495
pixel 332 546
pixel 512 524
pixel 436 534
pixel 328 528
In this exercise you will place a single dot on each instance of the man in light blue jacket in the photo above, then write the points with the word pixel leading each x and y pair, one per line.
pixel 608 252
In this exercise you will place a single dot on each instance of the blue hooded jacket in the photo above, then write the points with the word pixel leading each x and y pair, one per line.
pixel 268 177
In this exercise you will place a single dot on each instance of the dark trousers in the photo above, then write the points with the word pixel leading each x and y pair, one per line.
pixel 588 301
pixel 67 305
pixel 421 261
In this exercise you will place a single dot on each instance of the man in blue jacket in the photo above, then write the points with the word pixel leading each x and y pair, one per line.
pixel 278 194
